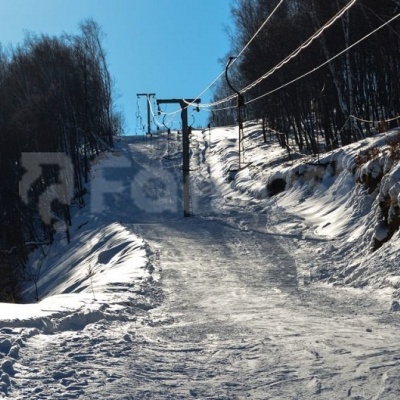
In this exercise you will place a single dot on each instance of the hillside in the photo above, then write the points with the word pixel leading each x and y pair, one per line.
pixel 349 196
pixel 254 296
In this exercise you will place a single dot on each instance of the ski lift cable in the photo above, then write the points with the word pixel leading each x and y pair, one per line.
pixel 155 119
pixel 323 64
pixel 307 43
pixel 224 108
pixel 165 125
pixel 258 31
pixel 168 124
pixel 241 51
pixel 378 17
pixel 291 56
pixel 374 121
pixel 319 67
pixel 165 114
pixel 302 47
pixel 156 122
pixel 328 61
pixel 174 113
pixel 151 110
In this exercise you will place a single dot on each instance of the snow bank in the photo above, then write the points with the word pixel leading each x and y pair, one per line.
pixel 102 274
pixel 348 197
pixel 80 278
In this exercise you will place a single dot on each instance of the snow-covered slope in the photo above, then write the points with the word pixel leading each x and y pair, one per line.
pixel 349 196
pixel 104 275
pixel 239 310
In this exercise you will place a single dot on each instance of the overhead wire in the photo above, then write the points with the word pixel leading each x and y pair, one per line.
pixel 302 47
pixel 295 53
pixel 258 31
pixel 316 68
pixel 283 62
pixel 375 121
pixel 163 124
pixel 170 120
pixel 237 57
pixel 241 52
pixel 327 61
pixel 155 119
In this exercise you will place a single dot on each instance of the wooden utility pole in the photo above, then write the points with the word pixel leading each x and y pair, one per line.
pixel 148 95
pixel 184 104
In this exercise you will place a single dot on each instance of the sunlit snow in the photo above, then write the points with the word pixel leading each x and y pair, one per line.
pixel 252 297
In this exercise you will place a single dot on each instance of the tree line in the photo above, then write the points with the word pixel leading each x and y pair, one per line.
pixel 316 111
pixel 55 97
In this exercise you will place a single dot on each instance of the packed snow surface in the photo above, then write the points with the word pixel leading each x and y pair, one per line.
pixel 253 297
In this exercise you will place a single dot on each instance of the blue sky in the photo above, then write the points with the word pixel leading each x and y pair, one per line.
pixel 167 47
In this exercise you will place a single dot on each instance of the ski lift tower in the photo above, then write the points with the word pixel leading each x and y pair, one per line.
pixel 184 104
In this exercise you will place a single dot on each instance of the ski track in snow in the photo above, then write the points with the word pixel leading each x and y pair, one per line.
pixel 236 319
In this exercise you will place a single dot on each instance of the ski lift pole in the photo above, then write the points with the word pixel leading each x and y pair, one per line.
pixel 147 95
pixel 210 122
pixel 241 112
pixel 184 104
pixel 168 128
